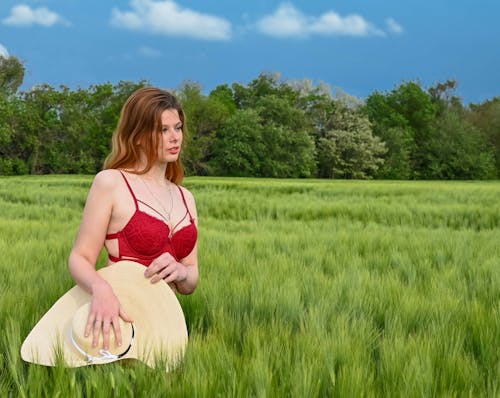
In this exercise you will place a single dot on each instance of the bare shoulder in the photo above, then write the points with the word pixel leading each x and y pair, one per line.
pixel 106 179
pixel 102 195
pixel 189 200
pixel 187 194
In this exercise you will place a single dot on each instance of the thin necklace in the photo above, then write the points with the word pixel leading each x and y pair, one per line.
pixel 166 216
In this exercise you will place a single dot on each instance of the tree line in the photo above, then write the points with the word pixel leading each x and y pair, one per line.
pixel 266 128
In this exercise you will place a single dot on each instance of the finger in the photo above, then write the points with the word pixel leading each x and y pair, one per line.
pixel 105 334
pixel 154 267
pixel 124 316
pixel 96 332
pixel 150 270
pixel 171 277
pixel 90 322
pixel 178 274
pixel 118 332
pixel 158 263
pixel 164 273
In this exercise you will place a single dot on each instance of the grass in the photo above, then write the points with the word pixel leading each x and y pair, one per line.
pixel 308 288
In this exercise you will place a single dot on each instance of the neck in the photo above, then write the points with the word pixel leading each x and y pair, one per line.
pixel 156 174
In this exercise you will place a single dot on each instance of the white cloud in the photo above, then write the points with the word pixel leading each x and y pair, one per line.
pixel 168 18
pixel 393 26
pixel 288 21
pixel 3 51
pixel 149 52
pixel 23 15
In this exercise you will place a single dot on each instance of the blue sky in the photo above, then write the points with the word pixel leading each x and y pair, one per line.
pixel 357 46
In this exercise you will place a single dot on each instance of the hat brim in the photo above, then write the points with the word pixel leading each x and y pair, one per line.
pixel 159 323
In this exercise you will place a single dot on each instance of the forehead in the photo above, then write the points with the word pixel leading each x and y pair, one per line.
pixel 170 117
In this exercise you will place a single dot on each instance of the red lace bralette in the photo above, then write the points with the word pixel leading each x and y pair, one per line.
pixel 146 237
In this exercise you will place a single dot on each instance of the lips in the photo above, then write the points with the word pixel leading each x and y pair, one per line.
pixel 174 150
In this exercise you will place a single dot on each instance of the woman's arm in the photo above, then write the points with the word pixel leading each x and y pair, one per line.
pixel 92 232
pixel 105 308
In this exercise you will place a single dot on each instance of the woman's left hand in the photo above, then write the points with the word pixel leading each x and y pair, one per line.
pixel 167 268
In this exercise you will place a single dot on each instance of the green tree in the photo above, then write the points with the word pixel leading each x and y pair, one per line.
pixel 223 95
pixel 236 145
pixel 100 107
pixel 288 149
pixel 283 139
pixel 458 150
pixel 486 117
pixel 50 149
pixel 13 141
pixel 265 84
pixel 443 96
pixel 394 130
pixel 11 75
pixel 396 161
pixel 348 149
pixel 404 118
pixel 205 114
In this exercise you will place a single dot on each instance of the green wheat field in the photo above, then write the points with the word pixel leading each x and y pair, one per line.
pixel 308 288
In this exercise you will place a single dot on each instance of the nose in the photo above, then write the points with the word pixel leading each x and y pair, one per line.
pixel 170 132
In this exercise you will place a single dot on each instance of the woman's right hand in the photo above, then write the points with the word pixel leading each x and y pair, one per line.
pixel 105 311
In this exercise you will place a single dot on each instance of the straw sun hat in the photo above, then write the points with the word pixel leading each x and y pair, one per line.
pixel 158 332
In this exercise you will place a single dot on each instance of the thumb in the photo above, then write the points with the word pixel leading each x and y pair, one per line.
pixel 124 316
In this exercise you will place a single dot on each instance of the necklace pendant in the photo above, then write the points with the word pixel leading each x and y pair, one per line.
pixel 165 214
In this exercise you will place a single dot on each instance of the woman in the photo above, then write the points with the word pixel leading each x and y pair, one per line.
pixel 137 211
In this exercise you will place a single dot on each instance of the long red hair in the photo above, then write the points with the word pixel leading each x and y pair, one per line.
pixel 139 129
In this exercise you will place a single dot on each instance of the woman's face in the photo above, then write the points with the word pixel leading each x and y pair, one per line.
pixel 171 136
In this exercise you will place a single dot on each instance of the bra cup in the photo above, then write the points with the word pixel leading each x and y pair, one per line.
pixel 147 241
pixel 183 241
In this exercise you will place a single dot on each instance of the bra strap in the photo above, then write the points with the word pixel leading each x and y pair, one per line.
pixel 113 258
pixel 130 189
pixel 185 204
